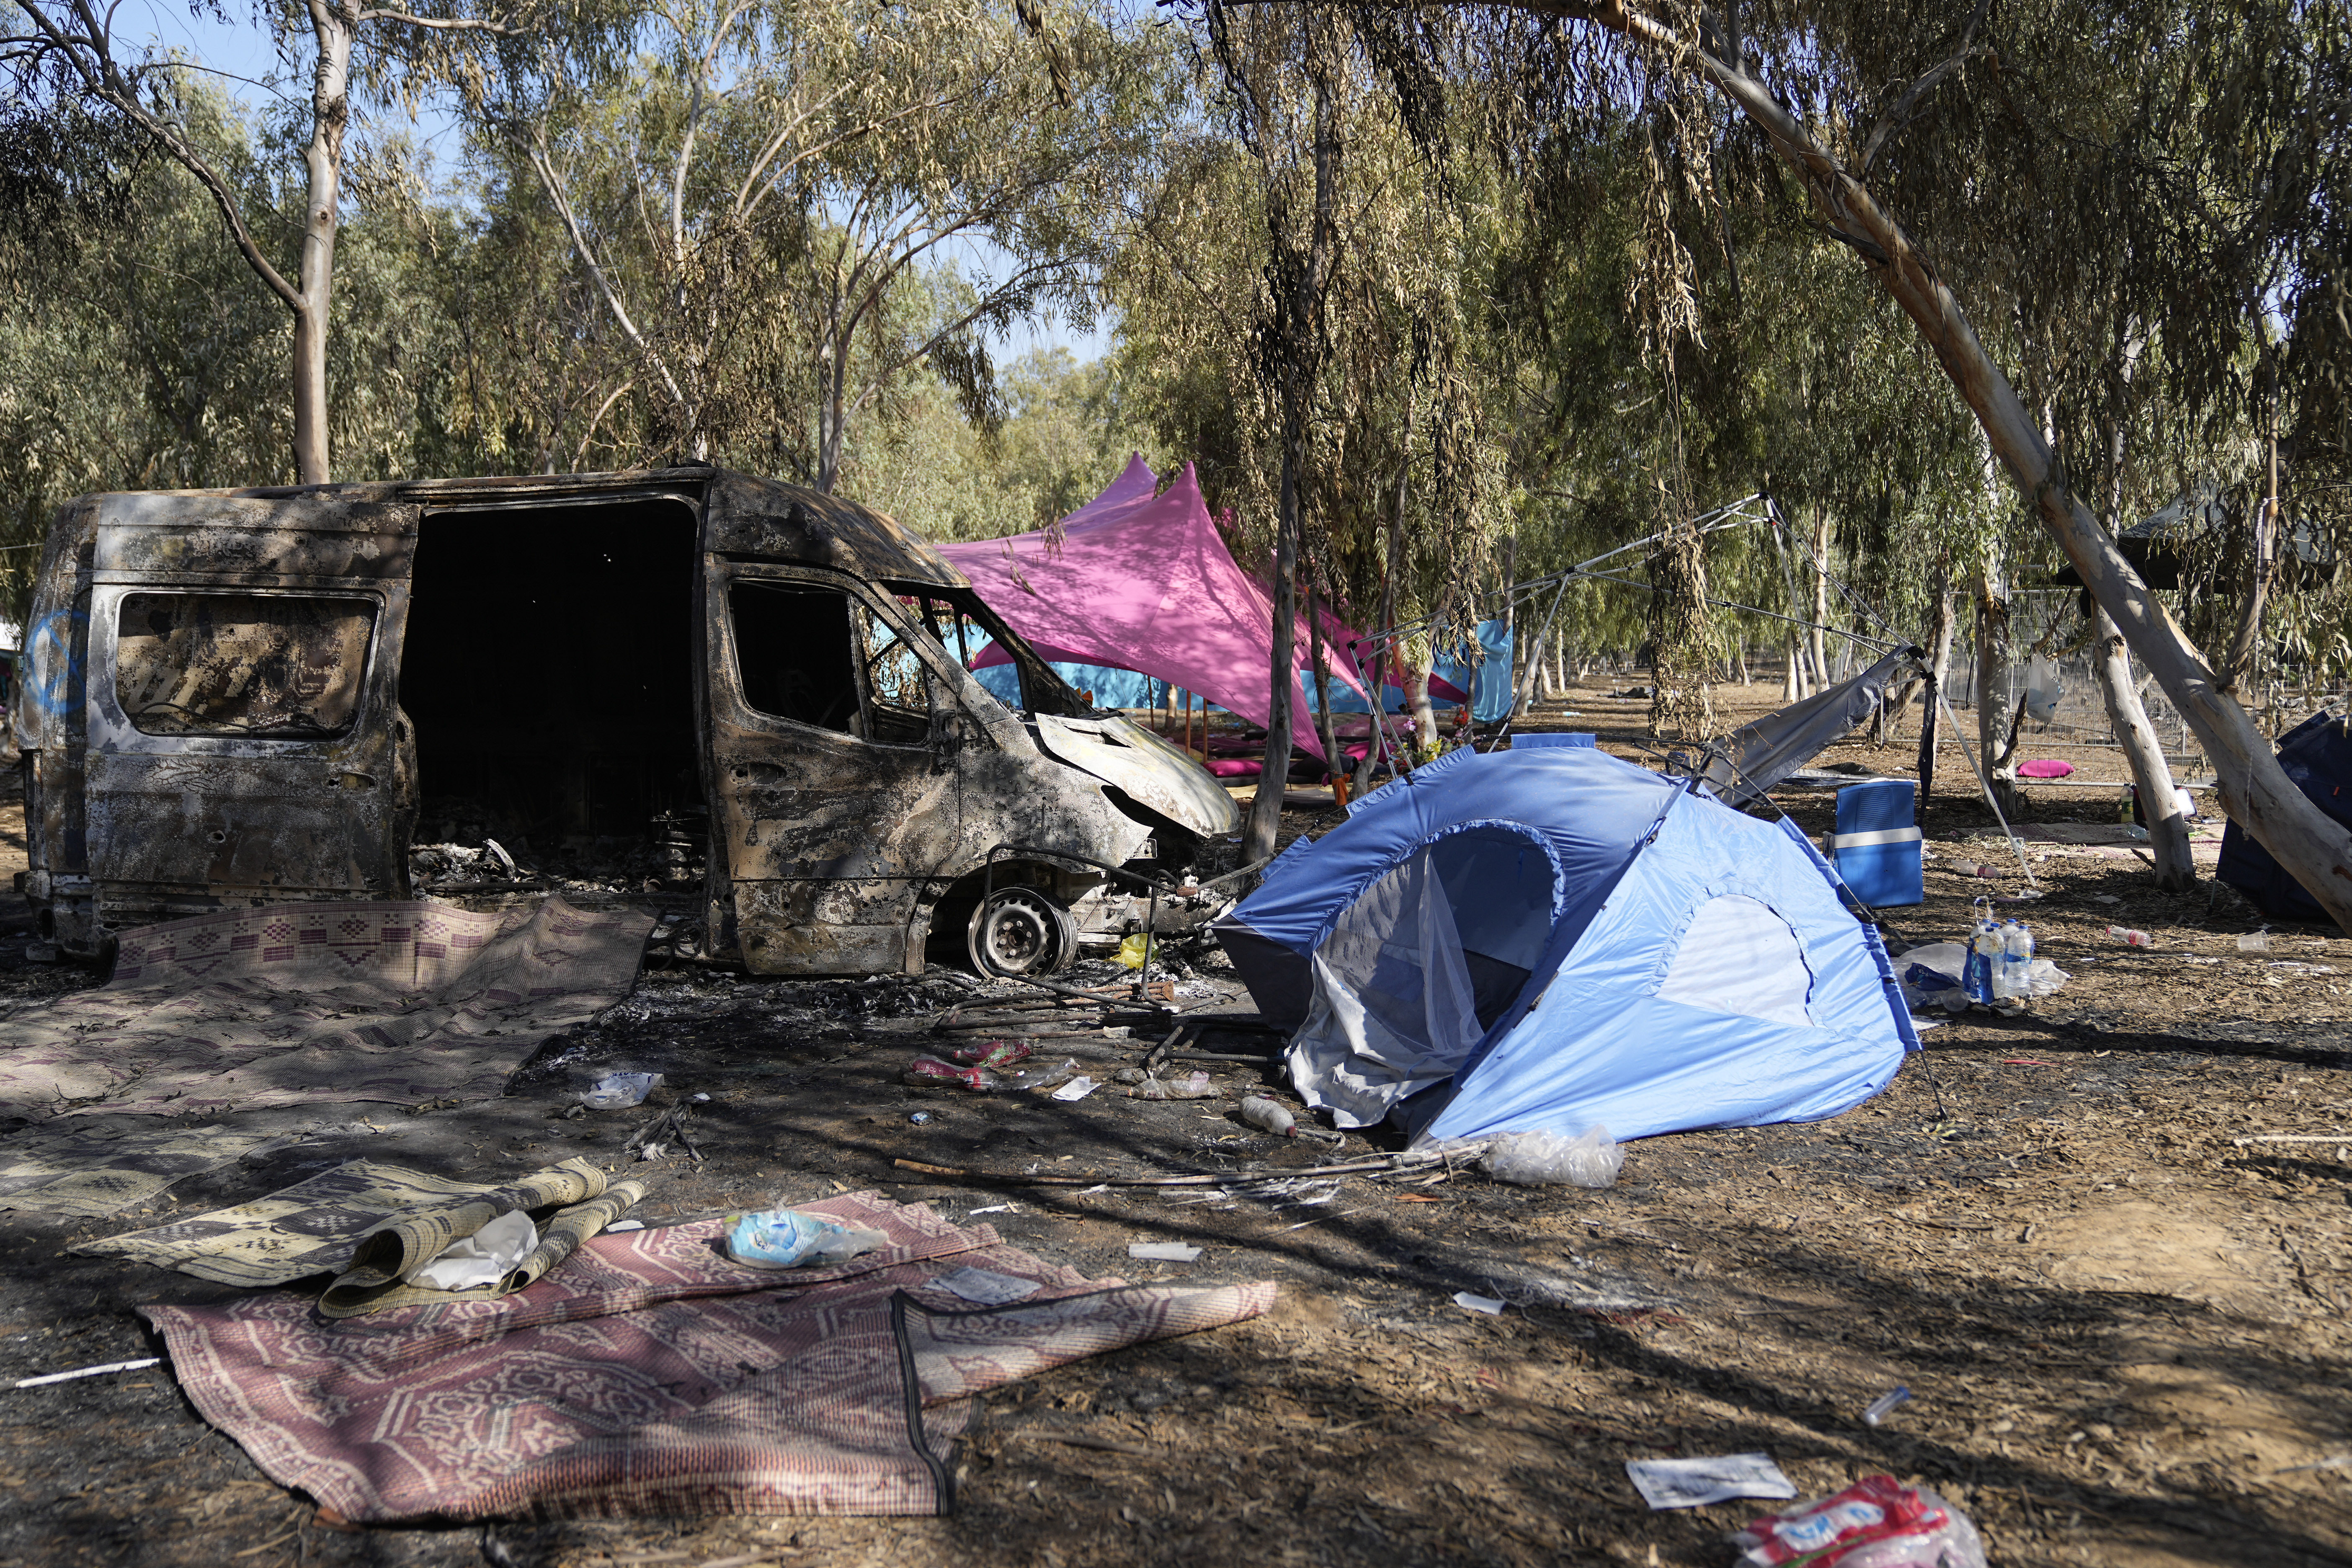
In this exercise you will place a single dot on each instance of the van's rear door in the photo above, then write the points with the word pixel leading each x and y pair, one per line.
pixel 246 743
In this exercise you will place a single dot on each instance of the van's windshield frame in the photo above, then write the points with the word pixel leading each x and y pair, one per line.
pixel 1041 689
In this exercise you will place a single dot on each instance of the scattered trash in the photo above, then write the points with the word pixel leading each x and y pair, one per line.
pixel 996 1208
pixel 1931 977
pixel 1876 1523
pixel 2104 899
pixel 1538 1159
pixel 787 1238
pixel 141 1365
pixel 1076 1088
pixel 699 1098
pixel 619 1090
pixel 1490 1305
pixel 1038 1079
pixel 986 1287
pixel 1690 1483
pixel 1163 1251
pixel 2130 938
pixel 920 1119
pixel 625 1225
pixel 485 1258
pixel 992 1053
pixel 1878 1409
pixel 1185 1086
pixel 930 1072
pixel 1268 1117
pixel 2255 941
pixel 1131 952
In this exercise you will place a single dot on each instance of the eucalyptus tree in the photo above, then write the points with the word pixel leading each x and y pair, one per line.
pixel 768 199
pixel 69 51
pixel 1870 110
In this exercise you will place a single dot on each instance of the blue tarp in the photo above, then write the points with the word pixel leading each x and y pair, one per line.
pixel 1637 955
pixel 1489 685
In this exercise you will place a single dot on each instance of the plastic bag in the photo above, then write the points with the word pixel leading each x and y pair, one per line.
pixel 1131 952
pixel 485 1258
pixel 787 1238
pixel 1183 1086
pixel 1877 1522
pixel 1546 1159
pixel 619 1090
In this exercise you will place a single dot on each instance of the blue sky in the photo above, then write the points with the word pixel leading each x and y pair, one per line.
pixel 241 55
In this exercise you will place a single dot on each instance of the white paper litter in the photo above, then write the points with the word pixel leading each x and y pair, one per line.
pixel 485 1258
pixel 993 1208
pixel 1163 1251
pixel 987 1287
pixel 1486 1304
pixel 625 1225
pixel 1688 1483
pixel 1076 1088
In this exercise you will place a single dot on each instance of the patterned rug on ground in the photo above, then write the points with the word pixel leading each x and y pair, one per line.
pixel 652 1374
pixel 303 1004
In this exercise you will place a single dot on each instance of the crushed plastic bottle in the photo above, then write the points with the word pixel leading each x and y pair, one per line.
pixel 2255 941
pixel 2129 937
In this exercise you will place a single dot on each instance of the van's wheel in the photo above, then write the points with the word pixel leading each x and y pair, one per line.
pixel 1020 930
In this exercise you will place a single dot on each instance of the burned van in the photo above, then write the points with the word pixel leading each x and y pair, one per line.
pixel 233 698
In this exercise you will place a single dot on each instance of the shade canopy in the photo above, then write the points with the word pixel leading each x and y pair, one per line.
pixel 1139 579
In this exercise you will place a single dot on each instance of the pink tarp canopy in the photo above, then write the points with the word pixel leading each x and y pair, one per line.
pixel 1143 582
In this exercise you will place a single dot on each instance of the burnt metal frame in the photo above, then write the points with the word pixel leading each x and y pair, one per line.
pixel 1154 886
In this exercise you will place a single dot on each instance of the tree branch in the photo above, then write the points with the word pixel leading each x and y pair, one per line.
pixel 441 24
pixel 1895 116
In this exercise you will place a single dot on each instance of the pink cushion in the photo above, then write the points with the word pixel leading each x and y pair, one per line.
pixel 1235 767
pixel 2045 768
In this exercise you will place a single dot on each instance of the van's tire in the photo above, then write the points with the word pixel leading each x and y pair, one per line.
pixel 1020 930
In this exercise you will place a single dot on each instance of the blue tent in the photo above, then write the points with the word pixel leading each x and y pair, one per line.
pixel 1555 939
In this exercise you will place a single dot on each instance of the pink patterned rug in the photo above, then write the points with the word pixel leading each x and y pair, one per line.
pixel 652 1374
pixel 301 1004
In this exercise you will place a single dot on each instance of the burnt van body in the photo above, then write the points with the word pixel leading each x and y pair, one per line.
pixel 235 697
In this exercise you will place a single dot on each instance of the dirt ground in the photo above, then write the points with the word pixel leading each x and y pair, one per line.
pixel 2122 1326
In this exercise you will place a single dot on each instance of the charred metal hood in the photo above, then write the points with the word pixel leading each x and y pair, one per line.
pixel 1150 772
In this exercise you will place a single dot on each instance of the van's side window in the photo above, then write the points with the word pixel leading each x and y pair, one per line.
pixel 281 667
pixel 793 653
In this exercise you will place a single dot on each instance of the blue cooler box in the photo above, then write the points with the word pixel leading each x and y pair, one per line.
pixel 1876 845
pixel 1559 738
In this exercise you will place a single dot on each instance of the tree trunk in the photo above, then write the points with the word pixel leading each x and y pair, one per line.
pixel 2238 671
pixel 2160 801
pixel 1301 339
pixel 1324 730
pixel 2168 824
pixel 2315 849
pixel 1817 639
pixel 335 27
pixel 1992 683
pixel 1390 655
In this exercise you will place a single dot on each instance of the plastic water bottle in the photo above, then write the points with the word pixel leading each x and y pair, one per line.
pixel 2014 975
pixel 1268 1116
pixel 1984 957
pixel 2129 937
